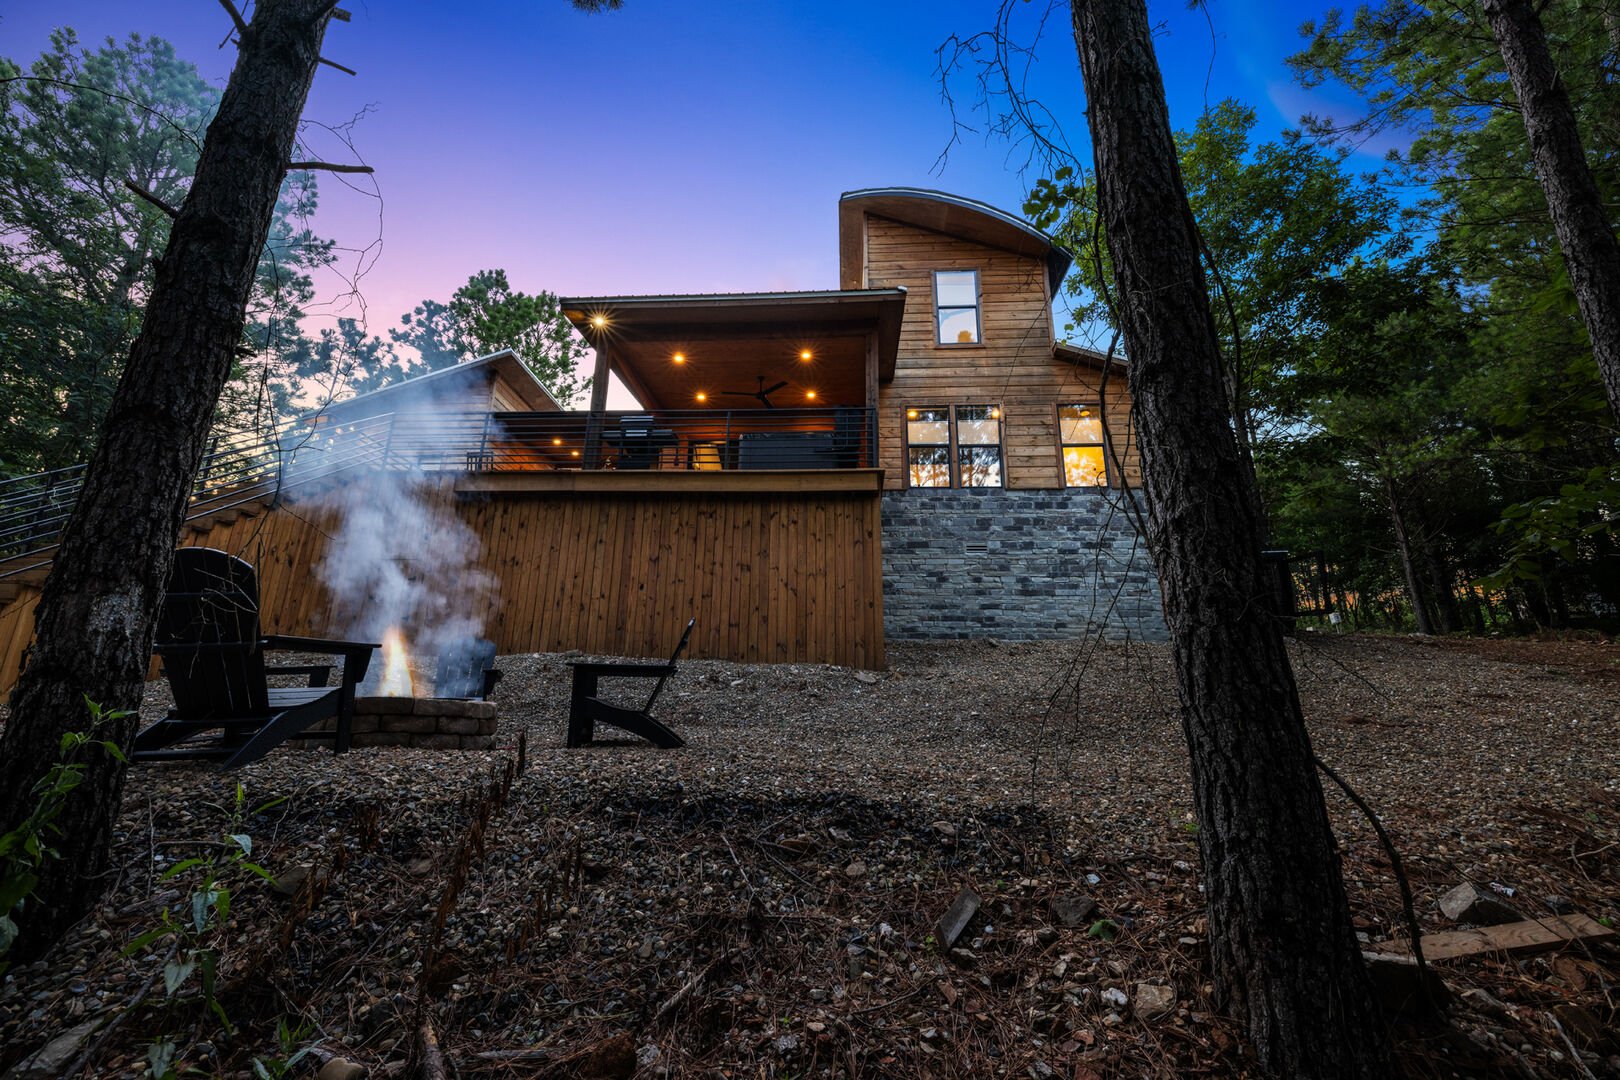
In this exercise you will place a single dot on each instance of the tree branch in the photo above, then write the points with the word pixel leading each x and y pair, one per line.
pixel 151 198
pixel 326 166
pixel 333 63
pixel 236 16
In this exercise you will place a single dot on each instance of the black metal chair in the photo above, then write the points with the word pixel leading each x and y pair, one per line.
pixel 586 710
pixel 214 658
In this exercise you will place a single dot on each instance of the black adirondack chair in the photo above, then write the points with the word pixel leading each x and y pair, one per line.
pixel 586 710
pixel 214 658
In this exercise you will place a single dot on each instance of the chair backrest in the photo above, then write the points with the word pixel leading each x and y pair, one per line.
pixel 461 669
pixel 208 634
pixel 674 656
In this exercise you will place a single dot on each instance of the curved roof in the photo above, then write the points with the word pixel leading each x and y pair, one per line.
pixel 954 215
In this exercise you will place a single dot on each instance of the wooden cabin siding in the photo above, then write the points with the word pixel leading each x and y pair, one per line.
pixel 793 577
pixel 1012 367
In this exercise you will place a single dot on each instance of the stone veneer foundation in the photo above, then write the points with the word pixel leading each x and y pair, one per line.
pixel 1015 565
pixel 422 723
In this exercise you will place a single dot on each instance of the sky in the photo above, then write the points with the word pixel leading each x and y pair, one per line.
pixel 669 147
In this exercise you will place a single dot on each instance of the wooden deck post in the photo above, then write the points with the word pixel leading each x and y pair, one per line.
pixel 599 389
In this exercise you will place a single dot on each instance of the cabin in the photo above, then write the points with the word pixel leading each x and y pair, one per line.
pixel 911 455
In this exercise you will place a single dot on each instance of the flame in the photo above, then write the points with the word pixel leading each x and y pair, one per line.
pixel 396 672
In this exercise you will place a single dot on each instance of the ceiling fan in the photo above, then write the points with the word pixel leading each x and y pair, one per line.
pixel 762 394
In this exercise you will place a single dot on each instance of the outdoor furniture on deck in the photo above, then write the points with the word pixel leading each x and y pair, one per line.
pixel 638 442
pixel 213 656
pixel 786 450
pixel 585 709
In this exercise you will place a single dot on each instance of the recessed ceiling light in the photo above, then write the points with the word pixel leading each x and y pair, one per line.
pixel 701 396
pixel 599 321
pixel 679 358
pixel 810 395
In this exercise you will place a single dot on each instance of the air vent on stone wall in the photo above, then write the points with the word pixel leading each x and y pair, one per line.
pixel 975 547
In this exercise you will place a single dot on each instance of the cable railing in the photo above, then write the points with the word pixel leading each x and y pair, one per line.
pixel 238 469
pixel 242 468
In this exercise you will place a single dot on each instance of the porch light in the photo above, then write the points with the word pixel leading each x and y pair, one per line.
pixel 679 358
pixel 804 354
pixel 701 396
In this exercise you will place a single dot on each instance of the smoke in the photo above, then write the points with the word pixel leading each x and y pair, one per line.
pixel 401 558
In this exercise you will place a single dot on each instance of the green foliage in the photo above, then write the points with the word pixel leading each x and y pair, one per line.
pixel 78 246
pixel 25 848
pixel 197 930
pixel 486 315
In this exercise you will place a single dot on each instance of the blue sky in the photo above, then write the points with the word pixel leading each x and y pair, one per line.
pixel 670 146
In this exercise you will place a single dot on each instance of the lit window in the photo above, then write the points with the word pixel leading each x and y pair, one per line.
pixel 956 306
pixel 1080 430
pixel 954 446
pixel 928 447
pixel 978 445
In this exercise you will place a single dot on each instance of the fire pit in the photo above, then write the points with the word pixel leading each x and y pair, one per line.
pixel 389 712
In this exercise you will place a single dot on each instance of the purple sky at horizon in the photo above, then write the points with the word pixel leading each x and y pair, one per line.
pixel 668 147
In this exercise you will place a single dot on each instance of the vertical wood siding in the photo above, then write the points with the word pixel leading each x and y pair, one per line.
pixel 1013 367
pixel 771 579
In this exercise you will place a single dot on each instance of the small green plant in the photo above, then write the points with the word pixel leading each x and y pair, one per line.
pixel 291 1040
pixel 24 849
pixel 1106 929
pixel 196 934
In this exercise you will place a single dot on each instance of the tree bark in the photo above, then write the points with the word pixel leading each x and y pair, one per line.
pixel 1591 252
pixel 1403 546
pixel 94 624
pixel 1283 949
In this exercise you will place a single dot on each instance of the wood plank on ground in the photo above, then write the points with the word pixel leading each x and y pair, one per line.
pixel 1512 939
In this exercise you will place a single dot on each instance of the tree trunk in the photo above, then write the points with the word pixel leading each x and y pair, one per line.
pixel 1403 544
pixel 1591 252
pixel 1443 588
pixel 1283 948
pixel 94 624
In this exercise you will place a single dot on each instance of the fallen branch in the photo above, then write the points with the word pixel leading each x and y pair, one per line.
pixel 680 996
pixel 151 198
pixel 432 1056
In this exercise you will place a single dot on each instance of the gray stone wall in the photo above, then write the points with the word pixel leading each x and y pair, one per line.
pixel 1016 565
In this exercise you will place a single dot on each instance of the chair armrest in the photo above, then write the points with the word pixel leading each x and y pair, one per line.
pixel 491 677
pixel 356 654
pixel 630 670
pixel 318 673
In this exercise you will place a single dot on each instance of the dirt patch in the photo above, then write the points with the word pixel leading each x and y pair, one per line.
pixel 764 902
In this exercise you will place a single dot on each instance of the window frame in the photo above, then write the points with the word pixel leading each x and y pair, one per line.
pixel 1105 446
pixel 953 445
pixel 977 309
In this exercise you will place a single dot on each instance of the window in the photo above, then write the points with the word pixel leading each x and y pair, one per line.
pixel 956 306
pixel 954 446
pixel 928 447
pixel 1080 431
pixel 978 445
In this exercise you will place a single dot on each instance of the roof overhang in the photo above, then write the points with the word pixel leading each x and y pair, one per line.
pixel 941 212
pixel 1078 354
pixel 505 363
pixel 728 339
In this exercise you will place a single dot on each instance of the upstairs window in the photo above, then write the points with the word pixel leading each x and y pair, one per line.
pixel 956 307
pixel 1080 431
pixel 928 447
pixel 954 446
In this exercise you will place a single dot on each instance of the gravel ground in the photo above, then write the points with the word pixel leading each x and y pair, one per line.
pixel 764 901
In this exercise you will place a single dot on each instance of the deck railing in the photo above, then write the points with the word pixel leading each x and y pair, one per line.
pixel 704 440
pixel 243 468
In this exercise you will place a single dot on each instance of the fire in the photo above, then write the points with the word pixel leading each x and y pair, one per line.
pixel 396 670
